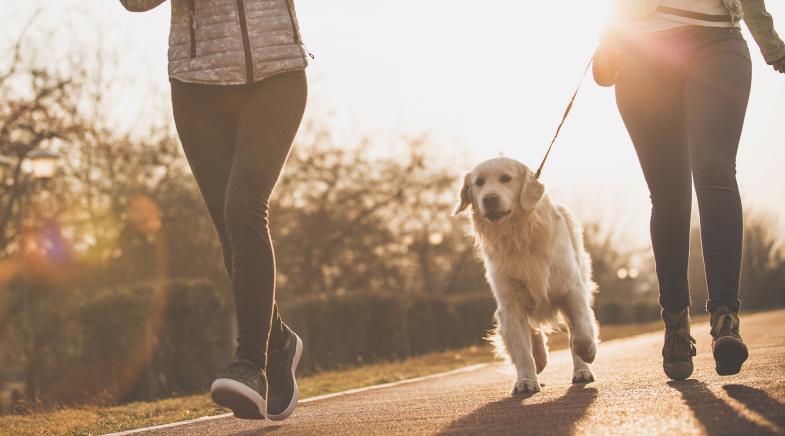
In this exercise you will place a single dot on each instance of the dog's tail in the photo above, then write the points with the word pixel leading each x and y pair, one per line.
pixel 581 256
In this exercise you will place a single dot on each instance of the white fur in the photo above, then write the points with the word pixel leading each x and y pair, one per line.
pixel 537 267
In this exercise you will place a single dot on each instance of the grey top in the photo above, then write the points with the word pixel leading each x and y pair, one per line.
pixel 230 42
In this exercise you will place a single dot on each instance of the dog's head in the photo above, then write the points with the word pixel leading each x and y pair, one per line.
pixel 499 188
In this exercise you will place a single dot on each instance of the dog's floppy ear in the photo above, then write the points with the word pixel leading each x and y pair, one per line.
pixel 531 191
pixel 465 200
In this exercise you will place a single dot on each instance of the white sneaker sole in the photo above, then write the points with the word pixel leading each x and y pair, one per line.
pixel 298 351
pixel 243 401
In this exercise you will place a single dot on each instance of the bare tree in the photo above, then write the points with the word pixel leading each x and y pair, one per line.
pixel 36 110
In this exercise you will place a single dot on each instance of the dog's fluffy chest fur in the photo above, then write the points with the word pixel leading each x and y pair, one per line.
pixel 520 253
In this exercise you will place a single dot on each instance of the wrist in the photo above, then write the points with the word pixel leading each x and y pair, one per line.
pixel 778 60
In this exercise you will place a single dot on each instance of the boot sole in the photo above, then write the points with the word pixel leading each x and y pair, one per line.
pixel 298 351
pixel 678 370
pixel 243 401
pixel 729 354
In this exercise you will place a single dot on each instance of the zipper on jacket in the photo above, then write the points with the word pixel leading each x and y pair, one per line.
pixel 297 38
pixel 246 42
pixel 192 26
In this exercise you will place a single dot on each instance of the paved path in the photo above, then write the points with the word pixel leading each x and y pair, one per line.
pixel 631 396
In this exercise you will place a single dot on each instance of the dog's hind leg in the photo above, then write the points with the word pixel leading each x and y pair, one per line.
pixel 514 329
pixel 539 349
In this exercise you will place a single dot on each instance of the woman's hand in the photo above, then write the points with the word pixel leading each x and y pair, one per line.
pixel 779 65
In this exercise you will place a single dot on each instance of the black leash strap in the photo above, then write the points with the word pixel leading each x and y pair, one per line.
pixel 563 119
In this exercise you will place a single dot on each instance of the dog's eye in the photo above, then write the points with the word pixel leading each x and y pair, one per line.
pixel 505 178
pixel 479 182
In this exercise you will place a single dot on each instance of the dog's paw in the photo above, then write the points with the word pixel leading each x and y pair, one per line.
pixel 585 348
pixel 526 386
pixel 583 376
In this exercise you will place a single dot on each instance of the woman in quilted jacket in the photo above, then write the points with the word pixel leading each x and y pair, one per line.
pixel 682 85
pixel 239 90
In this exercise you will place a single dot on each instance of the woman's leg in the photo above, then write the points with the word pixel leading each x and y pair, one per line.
pixel 715 96
pixel 266 126
pixel 649 97
pixel 208 121
pixel 206 118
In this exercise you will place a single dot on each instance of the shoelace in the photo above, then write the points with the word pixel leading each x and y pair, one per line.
pixel 680 343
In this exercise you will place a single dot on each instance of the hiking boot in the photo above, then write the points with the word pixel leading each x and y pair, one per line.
pixel 727 346
pixel 242 388
pixel 281 365
pixel 679 346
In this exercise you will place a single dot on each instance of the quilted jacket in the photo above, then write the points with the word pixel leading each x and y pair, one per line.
pixel 230 42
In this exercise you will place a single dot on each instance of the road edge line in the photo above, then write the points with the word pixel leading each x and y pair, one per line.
pixel 464 369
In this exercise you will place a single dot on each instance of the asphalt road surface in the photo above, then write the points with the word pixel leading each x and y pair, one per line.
pixel 631 396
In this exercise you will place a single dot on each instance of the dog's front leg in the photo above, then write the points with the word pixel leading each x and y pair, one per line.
pixel 581 370
pixel 583 336
pixel 514 329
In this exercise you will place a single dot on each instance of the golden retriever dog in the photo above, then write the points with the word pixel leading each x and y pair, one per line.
pixel 536 265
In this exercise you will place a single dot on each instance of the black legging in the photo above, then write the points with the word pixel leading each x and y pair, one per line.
pixel 236 139
pixel 683 95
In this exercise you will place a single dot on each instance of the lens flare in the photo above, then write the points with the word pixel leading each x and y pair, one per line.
pixel 57 254
pixel 144 215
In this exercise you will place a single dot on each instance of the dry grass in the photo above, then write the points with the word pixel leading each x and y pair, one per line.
pixel 99 420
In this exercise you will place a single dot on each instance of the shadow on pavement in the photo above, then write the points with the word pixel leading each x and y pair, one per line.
pixel 759 402
pixel 715 414
pixel 258 431
pixel 514 415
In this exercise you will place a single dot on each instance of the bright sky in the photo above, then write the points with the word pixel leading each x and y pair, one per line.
pixel 483 78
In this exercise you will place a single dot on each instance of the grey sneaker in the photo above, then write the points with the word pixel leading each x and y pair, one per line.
pixel 281 366
pixel 241 387
pixel 727 346
pixel 679 346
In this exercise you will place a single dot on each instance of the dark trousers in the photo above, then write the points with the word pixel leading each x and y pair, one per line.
pixel 683 95
pixel 236 140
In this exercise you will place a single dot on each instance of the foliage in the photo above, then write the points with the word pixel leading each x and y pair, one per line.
pixel 762 283
pixel 370 327
pixel 346 222
pixel 119 344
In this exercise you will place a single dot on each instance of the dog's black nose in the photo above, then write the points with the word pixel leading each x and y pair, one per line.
pixel 491 201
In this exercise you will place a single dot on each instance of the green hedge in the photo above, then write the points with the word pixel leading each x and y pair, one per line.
pixel 341 331
pixel 618 313
pixel 120 344
pixel 347 330
pixel 147 342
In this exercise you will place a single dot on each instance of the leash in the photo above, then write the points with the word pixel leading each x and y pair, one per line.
pixel 563 118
